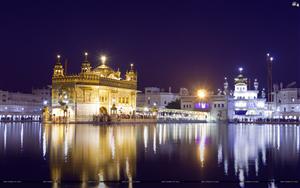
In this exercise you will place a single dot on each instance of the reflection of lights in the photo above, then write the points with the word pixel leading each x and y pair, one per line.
pixel 154 141
pixel 112 143
pixel 44 144
pixel 145 137
pixel 101 180
pixel 220 158
pixel 202 144
pixel 226 167
pixel 146 109
pixel 196 132
pixel 164 134
pixel 66 145
pixel 272 185
pixel 278 137
pixel 298 138
pixel 160 134
pixel 256 167
pixel 128 171
pixel 5 132
pixel 241 177
pixel 22 132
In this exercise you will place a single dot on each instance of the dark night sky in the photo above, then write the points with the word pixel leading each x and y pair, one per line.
pixel 173 43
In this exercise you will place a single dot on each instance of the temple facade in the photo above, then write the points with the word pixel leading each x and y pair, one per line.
pixel 93 91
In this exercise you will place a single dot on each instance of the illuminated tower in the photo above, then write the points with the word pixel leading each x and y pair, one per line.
pixel 270 77
pixel 85 66
pixel 131 75
pixel 58 68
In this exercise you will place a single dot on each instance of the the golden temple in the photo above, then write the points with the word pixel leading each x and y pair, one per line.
pixel 93 91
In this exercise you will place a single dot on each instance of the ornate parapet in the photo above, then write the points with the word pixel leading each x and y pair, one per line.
pixel 90 79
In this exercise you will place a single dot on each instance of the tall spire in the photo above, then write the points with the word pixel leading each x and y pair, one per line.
pixel 58 59
pixel 86 66
pixel 58 68
pixel 131 66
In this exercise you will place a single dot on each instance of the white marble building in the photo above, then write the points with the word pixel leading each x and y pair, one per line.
pixel 285 103
pixel 16 106
pixel 155 97
pixel 242 104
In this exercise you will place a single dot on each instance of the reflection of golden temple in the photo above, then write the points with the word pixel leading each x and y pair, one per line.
pixel 96 154
pixel 78 97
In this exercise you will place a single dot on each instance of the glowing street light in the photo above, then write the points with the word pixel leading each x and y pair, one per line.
pixel 201 93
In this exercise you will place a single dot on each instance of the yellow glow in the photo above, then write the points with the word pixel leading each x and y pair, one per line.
pixel 201 93
pixel 103 59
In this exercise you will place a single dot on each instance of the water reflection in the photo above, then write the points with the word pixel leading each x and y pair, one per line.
pixel 79 152
pixel 133 152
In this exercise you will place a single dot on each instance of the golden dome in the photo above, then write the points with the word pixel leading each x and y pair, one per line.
pixel 103 70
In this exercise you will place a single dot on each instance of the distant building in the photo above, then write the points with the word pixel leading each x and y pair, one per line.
pixel 16 106
pixel 44 94
pixel 188 102
pixel 219 107
pixel 285 103
pixel 155 97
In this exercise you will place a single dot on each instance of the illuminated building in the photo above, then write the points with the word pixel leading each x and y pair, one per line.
pixel 286 102
pixel 155 97
pixel 16 106
pixel 245 104
pixel 93 91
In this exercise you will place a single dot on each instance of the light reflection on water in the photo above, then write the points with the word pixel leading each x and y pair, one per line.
pixel 150 152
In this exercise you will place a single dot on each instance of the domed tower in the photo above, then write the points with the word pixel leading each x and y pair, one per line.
pixel 131 75
pixel 240 82
pixel 103 70
pixel 86 66
pixel 58 68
